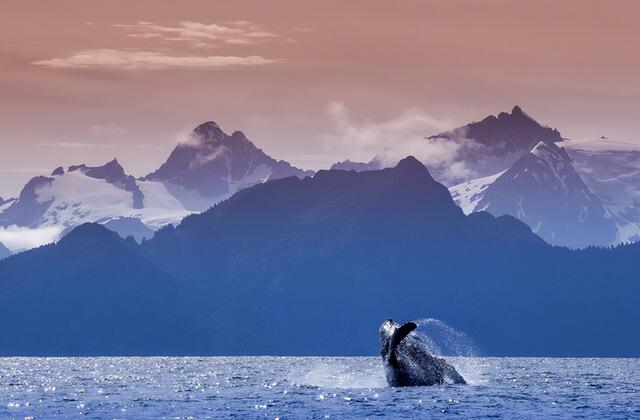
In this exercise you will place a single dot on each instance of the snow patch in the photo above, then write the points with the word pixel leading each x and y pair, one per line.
pixel 600 144
pixel 468 194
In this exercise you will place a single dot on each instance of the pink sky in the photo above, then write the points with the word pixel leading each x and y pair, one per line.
pixel 84 81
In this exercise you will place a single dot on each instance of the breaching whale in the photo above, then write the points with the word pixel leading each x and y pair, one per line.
pixel 407 361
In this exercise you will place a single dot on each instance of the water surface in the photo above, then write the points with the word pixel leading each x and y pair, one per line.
pixel 320 387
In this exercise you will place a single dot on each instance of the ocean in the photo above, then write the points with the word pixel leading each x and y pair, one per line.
pixel 312 387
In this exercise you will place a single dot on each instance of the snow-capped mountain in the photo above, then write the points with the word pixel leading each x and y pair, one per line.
pixel 512 159
pixel 495 143
pixel 205 168
pixel 505 133
pixel 5 203
pixel 91 194
pixel 468 194
pixel 482 148
pixel 210 165
pixel 611 169
pixel 544 190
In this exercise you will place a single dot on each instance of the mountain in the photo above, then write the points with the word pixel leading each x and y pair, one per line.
pixel 211 165
pixel 328 255
pixel 28 209
pixel 598 205
pixel 475 150
pixel 506 133
pixel 311 266
pixel 204 169
pixel 290 256
pixel 92 293
pixel 83 194
pixel 4 251
pixel 113 174
pixel 5 203
pixel 611 169
pixel 129 226
pixel 348 165
pixel 493 144
pixel 544 190
pixel 469 193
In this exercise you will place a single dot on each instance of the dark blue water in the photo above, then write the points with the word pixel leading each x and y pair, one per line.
pixel 319 387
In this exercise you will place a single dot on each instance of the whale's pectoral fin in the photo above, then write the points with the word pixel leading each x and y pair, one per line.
pixel 399 335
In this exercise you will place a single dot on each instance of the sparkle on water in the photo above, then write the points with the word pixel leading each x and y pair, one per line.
pixel 298 387
pixel 317 387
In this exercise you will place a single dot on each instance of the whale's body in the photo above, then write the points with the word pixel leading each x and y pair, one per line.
pixel 407 361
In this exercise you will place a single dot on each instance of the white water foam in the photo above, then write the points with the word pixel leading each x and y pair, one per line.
pixel 343 373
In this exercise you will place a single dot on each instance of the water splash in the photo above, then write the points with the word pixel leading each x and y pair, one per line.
pixel 343 373
pixel 459 349
pixel 444 340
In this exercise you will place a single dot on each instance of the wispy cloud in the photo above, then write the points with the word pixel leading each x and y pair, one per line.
pixel 147 60
pixel 79 145
pixel 18 238
pixel 391 140
pixel 201 35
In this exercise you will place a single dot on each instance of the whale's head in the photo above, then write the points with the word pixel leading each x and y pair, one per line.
pixel 387 329
pixel 391 334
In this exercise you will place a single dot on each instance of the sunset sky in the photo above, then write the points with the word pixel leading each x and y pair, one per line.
pixel 85 81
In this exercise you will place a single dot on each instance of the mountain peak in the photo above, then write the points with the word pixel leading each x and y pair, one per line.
pixel 111 171
pixel 207 125
pixel 412 168
pixel 410 162
pixel 506 133
pixel 87 234
pixel 516 114
pixel 210 165
pixel 209 131
pixel 239 135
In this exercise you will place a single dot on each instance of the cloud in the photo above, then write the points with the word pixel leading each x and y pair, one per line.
pixel 147 60
pixel 207 156
pixel 404 135
pixel 78 144
pixel 200 35
pixel 18 238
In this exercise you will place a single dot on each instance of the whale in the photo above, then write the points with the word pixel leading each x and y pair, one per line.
pixel 407 361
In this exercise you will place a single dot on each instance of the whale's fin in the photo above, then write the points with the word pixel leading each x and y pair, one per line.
pixel 399 335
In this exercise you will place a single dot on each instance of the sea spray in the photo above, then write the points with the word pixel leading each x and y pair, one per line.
pixel 444 340
pixel 459 349
pixel 362 372
pixel 341 373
